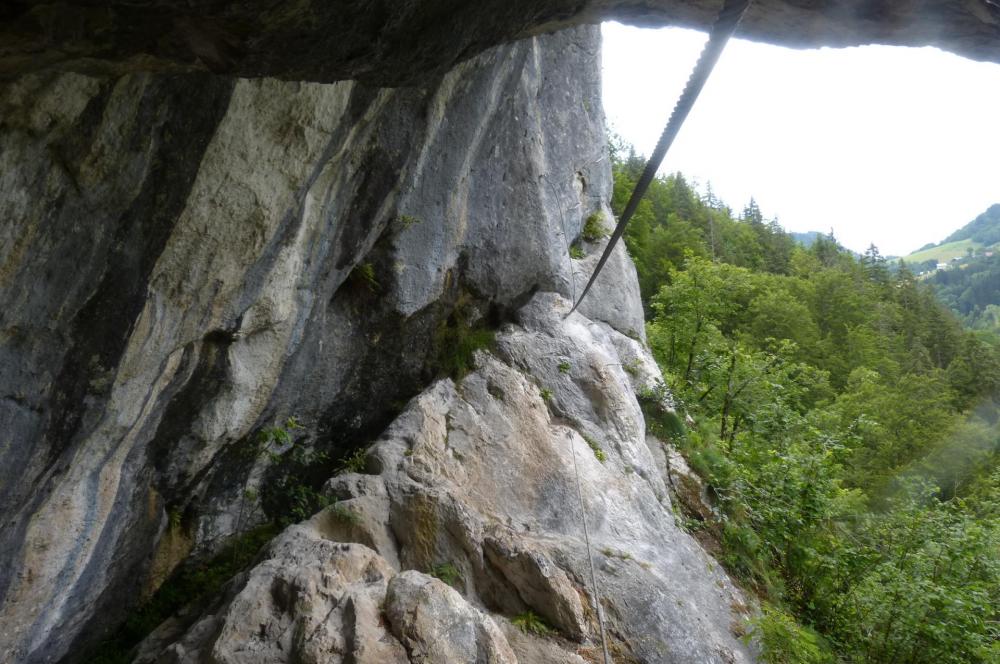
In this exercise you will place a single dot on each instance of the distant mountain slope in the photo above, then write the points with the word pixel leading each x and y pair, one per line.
pixel 973 291
pixel 971 285
pixel 943 252
pixel 981 233
pixel 984 229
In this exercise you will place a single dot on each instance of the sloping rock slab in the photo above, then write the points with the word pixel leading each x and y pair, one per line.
pixel 481 482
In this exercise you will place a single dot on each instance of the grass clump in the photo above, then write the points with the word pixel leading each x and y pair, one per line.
pixel 344 514
pixel 546 394
pixel 530 622
pixel 363 275
pixel 612 553
pixel 576 252
pixel 598 452
pixel 458 345
pixel 354 462
pixel 564 367
pixel 593 227
pixel 448 573
pixel 458 338
pixel 407 220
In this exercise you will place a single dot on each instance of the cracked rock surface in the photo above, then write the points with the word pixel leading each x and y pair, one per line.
pixel 214 216
pixel 187 259
pixel 481 475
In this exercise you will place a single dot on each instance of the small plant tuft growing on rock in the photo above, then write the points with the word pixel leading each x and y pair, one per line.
pixel 546 394
pixel 530 622
pixel 354 463
pixel 593 227
pixel 345 514
pixel 564 367
pixel 363 274
pixel 175 519
pixel 448 573
pixel 598 452
pixel 458 338
pixel 406 220
pixel 613 553
pixel 576 252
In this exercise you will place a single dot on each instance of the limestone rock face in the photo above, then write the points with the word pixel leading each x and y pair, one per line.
pixel 384 42
pixel 311 600
pixel 186 259
pixel 438 626
pixel 492 477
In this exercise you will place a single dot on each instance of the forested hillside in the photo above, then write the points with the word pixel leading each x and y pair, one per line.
pixel 972 291
pixel 984 229
pixel 845 422
pixel 970 284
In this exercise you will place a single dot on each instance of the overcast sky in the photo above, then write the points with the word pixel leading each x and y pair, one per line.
pixel 896 146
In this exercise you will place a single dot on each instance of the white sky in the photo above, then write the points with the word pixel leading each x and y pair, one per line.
pixel 896 146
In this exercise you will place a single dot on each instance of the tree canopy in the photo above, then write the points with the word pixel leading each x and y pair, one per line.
pixel 844 419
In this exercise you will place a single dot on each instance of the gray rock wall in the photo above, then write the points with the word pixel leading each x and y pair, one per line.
pixel 384 42
pixel 176 255
pixel 492 477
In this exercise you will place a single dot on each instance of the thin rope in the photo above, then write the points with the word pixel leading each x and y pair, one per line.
pixel 724 27
pixel 590 555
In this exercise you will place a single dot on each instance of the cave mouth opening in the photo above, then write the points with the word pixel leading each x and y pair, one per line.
pixel 885 145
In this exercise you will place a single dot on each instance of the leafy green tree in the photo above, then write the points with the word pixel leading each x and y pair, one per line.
pixel 845 422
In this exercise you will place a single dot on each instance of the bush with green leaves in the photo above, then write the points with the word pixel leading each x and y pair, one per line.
pixel 843 422
pixel 290 491
pixel 784 641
